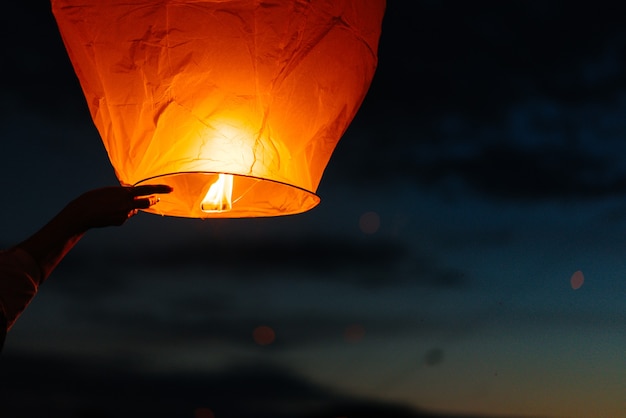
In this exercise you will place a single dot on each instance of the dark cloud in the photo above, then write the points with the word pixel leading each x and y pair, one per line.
pixel 506 172
pixel 515 99
pixel 46 386
pixel 540 150
pixel 293 331
pixel 367 262
pixel 251 258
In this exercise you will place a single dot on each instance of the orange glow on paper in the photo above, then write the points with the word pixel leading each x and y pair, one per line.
pixel 184 92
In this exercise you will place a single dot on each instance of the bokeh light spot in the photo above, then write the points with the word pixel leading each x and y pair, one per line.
pixel 369 222
pixel 354 333
pixel 577 280
pixel 203 413
pixel 263 335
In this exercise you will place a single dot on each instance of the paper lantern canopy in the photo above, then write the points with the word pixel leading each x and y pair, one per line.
pixel 237 104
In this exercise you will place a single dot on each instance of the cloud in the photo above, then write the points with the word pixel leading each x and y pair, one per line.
pixel 516 101
pixel 509 172
pixel 535 150
pixel 293 330
pixel 37 386
pixel 317 254
pixel 370 262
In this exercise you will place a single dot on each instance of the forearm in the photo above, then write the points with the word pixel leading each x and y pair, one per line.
pixel 25 266
pixel 51 243
pixel 19 280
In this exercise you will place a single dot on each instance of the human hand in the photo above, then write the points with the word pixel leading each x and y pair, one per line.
pixel 112 206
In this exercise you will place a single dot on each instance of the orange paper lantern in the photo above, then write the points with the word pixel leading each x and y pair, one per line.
pixel 237 104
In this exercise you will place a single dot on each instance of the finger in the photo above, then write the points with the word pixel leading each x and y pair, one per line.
pixel 150 189
pixel 144 203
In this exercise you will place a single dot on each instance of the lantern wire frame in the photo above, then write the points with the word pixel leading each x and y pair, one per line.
pixel 248 192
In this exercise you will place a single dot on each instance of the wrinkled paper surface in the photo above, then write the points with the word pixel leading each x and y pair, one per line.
pixel 181 90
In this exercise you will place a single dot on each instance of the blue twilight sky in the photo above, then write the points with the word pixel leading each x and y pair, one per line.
pixel 485 169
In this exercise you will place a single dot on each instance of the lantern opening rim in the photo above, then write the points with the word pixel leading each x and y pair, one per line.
pixel 307 198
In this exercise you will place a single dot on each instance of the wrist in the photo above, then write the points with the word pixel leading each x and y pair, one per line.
pixel 73 219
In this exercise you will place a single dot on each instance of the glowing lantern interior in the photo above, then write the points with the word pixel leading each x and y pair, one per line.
pixel 237 104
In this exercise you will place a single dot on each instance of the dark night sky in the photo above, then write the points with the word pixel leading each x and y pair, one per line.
pixel 485 167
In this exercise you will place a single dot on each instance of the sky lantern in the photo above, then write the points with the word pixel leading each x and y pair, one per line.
pixel 236 104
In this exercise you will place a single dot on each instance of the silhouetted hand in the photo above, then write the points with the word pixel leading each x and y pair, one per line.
pixel 112 206
pixel 107 206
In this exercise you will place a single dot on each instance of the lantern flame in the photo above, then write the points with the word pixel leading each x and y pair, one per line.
pixel 219 197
